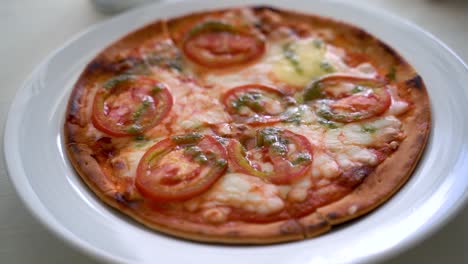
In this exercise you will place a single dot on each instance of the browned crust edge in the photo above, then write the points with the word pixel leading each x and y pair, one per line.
pixel 375 190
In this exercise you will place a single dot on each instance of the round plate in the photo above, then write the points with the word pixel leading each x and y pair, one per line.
pixel 52 190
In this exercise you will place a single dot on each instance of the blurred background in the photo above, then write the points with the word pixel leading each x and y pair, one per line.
pixel 31 29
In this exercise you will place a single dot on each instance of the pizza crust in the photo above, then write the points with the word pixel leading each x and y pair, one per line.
pixel 378 187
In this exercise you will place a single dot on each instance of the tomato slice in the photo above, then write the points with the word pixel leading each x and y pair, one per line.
pixel 255 104
pixel 216 44
pixel 279 156
pixel 344 98
pixel 180 167
pixel 130 105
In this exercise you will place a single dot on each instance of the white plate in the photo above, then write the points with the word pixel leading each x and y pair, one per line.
pixel 53 192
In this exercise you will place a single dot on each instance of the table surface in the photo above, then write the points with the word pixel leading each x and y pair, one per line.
pixel 32 29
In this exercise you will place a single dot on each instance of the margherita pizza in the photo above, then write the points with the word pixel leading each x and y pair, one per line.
pixel 246 125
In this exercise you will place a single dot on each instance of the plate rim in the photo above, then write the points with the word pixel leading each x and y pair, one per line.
pixel 29 198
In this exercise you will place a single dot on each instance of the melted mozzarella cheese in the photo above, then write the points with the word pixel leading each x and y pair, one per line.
pixel 193 105
pixel 339 89
pixel 350 156
pixel 216 215
pixel 388 128
pixel 334 56
pixel 298 192
pixel 284 190
pixel 363 70
pixel 241 191
pixel 397 106
pixel 355 134
pixel 257 73
pixel 361 155
pixel 93 133
pixel 198 109
pixel 323 165
pixel 177 87
pixel 126 163
pixel 314 133
pixel 299 61
pixel 371 133
pixel 344 161
pixel 332 140
pixel 350 143
pixel 301 114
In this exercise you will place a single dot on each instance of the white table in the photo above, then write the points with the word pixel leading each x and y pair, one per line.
pixel 31 29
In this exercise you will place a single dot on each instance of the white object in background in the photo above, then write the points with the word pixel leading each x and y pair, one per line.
pixel 115 6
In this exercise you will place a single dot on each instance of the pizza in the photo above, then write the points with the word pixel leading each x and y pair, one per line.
pixel 246 125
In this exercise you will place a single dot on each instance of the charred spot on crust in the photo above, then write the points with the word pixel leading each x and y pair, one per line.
pixel 361 34
pixel 260 8
pixel 355 176
pixel 102 65
pixel 73 111
pixel 125 64
pixel 69 137
pixel 332 215
pixel 103 149
pixel 290 227
pixel 74 148
pixel 74 118
pixel 388 49
pixel 105 140
pixel 97 66
pixel 316 226
pixel 415 82
pixel 74 105
pixel 121 199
